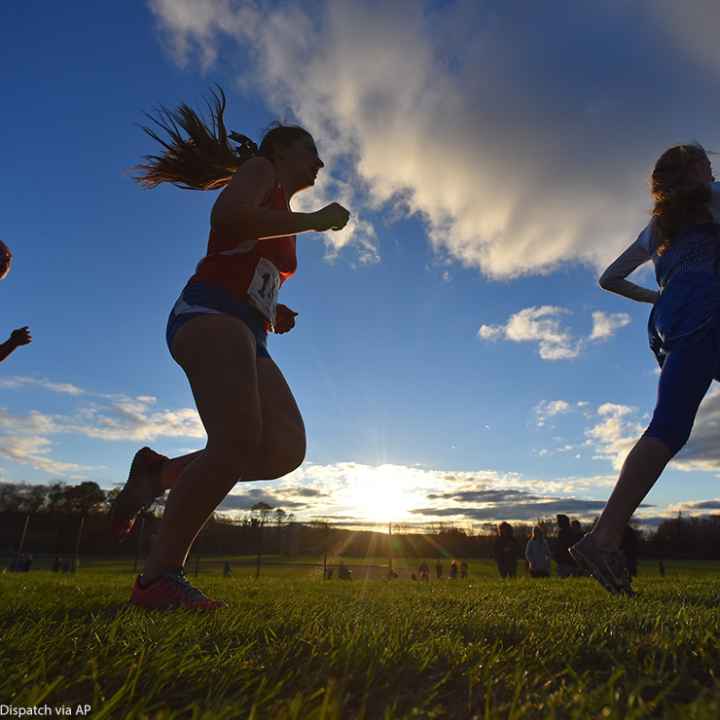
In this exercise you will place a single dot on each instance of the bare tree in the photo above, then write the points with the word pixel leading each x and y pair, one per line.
pixel 262 510
pixel 82 500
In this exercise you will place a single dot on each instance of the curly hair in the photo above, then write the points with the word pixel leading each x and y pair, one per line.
pixel 679 200
pixel 199 156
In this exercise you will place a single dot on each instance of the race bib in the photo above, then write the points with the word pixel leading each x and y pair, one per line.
pixel 264 287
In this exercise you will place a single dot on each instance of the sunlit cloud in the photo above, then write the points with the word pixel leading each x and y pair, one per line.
pixel 353 493
pixel 615 432
pixel 442 111
pixel 537 324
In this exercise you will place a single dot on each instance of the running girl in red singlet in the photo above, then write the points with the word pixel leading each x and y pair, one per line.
pixel 217 334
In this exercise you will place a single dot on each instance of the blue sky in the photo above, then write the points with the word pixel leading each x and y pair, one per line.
pixel 454 358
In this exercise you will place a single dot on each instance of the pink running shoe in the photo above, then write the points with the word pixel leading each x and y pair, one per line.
pixel 141 489
pixel 171 591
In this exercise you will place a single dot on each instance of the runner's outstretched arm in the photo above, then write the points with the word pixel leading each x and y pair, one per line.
pixel 18 337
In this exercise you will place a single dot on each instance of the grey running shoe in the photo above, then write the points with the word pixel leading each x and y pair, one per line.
pixel 608 567
pixel 170 591
pixel 139 492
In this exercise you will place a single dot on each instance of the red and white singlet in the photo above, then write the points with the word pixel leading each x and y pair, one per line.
pixel 252 271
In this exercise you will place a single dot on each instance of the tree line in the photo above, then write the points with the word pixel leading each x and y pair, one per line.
pixel 60 519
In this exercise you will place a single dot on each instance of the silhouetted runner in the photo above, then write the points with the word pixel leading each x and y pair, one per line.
pixel 217 332
pixel 683 241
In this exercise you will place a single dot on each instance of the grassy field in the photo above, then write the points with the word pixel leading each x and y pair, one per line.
pixel 298 647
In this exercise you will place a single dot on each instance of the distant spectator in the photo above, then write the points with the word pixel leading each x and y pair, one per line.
pixel 392 575
pixel 506 551
pixel 329 573
pixel 453 570
pixel 463 569
pixel 56 564
pixel 566 538
pixel 576 529
pixel 21 563
pixel 661 567
pixel 537 554
pixel 227 570
pixel 438 570
pixel 344 572
pixel 424 571
pixel 629 548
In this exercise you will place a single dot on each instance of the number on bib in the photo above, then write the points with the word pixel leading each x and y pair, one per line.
pixel 264 287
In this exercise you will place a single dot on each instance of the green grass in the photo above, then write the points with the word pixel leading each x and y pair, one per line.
pixel 294 647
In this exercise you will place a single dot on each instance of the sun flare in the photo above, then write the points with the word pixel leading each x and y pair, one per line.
pixel 381 494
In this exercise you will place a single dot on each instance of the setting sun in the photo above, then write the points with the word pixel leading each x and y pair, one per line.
pixel 381 494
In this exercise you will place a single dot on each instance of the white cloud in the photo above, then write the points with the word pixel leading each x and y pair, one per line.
pixel 615 433
pixel 544 325
pixel 550 408
pixel 446 112
pixel 605 324
pixel 537 324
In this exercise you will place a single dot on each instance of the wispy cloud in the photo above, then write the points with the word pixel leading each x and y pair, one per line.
pixel 25 438
pixel 35 451
pixel 19 382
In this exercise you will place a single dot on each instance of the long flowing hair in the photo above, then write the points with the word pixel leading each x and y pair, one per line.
pixel 679 201
pixel 199 155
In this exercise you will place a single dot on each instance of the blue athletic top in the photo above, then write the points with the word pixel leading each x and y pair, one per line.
pixel 687 273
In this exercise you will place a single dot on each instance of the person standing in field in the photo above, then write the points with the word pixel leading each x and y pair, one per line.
pixel 217 333
pixel 566 537
pixel 683 242
pixel 629 549
pixel 537 554
pixel 506 550
pixel 19 336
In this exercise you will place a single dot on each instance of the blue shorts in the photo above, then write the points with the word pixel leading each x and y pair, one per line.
pixel 200 299
pixel 687 371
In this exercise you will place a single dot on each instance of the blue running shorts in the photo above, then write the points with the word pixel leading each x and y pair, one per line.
pixel 200 299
